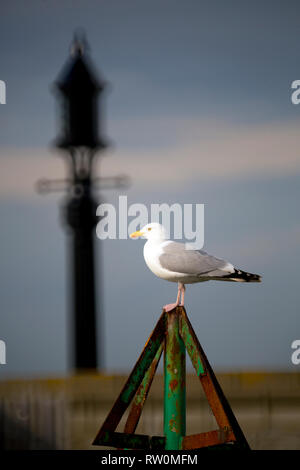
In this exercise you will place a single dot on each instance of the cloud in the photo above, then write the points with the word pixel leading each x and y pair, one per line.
pixel 213 151
pixel 193 150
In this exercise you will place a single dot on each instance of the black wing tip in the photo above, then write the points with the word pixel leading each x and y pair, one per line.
pixel 243 276
pixel 256 278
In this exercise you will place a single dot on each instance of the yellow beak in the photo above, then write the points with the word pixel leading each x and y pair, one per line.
pixel 136 234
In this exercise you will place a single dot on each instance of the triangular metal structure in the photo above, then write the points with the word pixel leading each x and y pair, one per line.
pixel 174 334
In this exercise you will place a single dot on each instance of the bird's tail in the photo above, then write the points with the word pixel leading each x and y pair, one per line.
pixel 241 276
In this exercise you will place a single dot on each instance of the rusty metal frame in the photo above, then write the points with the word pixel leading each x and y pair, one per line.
pixel 174 334
pixel 141 395
pixel 229 429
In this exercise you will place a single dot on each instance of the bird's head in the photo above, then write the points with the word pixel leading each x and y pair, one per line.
pixel 153 231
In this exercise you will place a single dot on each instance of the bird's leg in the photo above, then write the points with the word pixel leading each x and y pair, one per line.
pixel 169 307
pixel 181 288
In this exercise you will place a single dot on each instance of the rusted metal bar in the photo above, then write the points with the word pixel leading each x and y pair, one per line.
pixel 190 344
pixel 174 383
pixel 132 441
pixel 122 440
pixel 150 349
pixel 141 395
pixel 205 439
pixel 215 396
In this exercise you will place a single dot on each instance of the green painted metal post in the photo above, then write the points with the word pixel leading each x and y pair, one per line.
pixel 174 383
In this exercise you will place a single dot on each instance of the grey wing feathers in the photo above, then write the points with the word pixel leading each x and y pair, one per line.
pixel 176 258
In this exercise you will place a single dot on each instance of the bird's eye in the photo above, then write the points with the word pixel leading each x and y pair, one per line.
pixel 149 229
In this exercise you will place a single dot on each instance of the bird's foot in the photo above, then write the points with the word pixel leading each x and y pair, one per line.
pixel 169 307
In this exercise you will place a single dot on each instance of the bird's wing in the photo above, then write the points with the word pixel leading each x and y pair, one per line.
pixel 176 258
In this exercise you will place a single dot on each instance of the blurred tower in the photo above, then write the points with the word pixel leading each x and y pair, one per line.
pixel 78 90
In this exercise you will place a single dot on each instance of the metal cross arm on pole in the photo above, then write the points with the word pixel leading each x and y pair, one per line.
pixel 110 182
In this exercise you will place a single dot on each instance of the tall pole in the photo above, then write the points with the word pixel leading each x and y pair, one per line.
pixel 174 384
pixel 80 216
pixel 78 89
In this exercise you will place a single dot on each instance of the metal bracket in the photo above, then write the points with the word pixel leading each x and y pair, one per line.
pixel 174 334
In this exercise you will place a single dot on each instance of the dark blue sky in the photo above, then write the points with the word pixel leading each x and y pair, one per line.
pixel 233 59
pixel 198 110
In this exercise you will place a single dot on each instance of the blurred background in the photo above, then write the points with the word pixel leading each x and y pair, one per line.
pixel 196 108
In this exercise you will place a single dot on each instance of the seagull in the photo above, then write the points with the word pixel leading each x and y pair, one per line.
pixel 173 262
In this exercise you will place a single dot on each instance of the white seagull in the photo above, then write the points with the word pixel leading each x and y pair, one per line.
pixel 173 262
